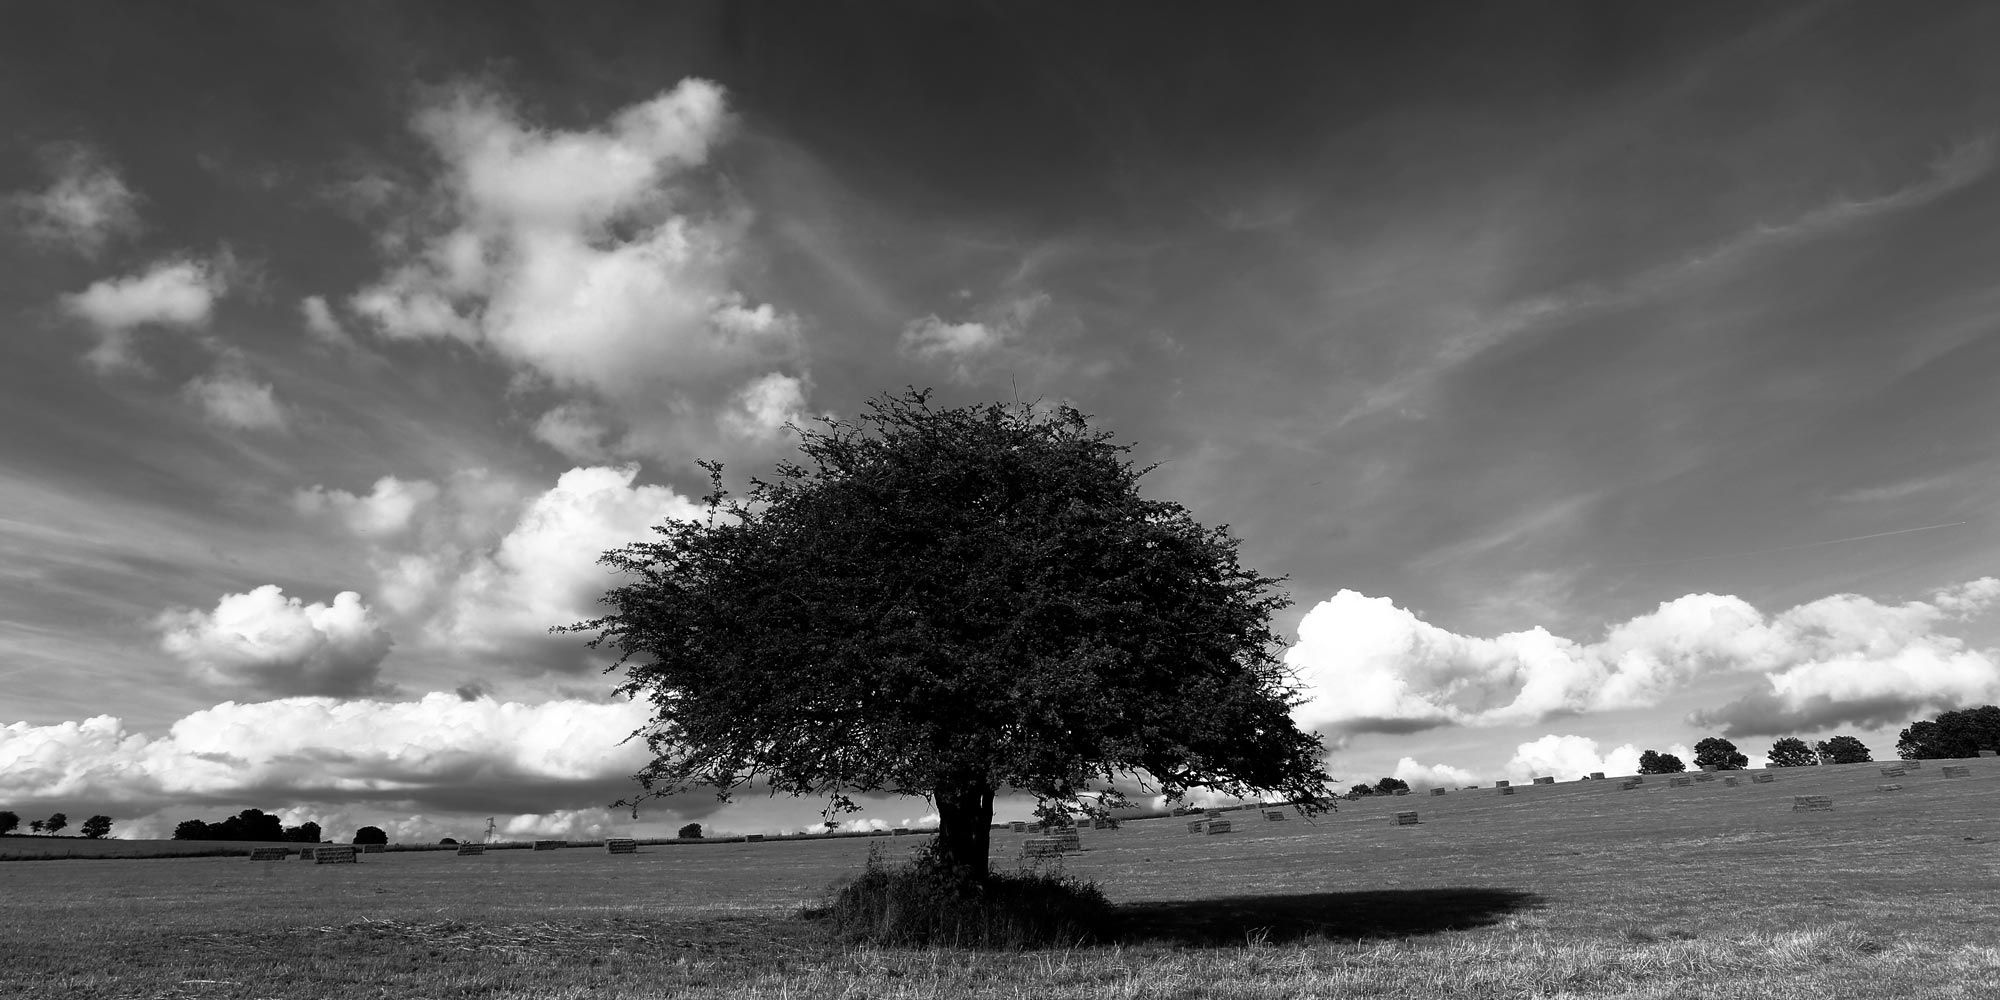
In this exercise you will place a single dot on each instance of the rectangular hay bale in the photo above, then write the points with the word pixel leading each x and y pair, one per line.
pixel 1763 778
pixel 1706 774
pixel 270 853
pixel 344 854
pixel 1892 772
pixel 551 845
pixel 1018 826
pixel 471 850
pixel 1437 791
pixel 1212 813
pixel 755 838
pixel 1042 847
pixel 1502 784
pixel 1628 784
pixel 1274 816
pixel 1506 789
pixel 1812 803
pixel 1406 819
pixel 621 845
pixel 1597 775
pixel 1680 781
pixel 1731 782
pixel 1989 753
pixel 1216 826
pixel 1194 826
pixel 1545 780
pixel 1955 771
pixel 901 831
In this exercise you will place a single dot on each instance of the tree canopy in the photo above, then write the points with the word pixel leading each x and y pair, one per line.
pixel 1791 751
pixel 56 823
pixel 1720 754
pixel 955 602
pixel 371 835
pixel 9 821
pixel 1953 734
pixel 96 827
pixel 1844 750
pixel 1654 762
pixel 250 824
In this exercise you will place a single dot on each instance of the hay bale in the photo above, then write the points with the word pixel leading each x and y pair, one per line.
pixel 1501 784
pixel 471 850
pixel 270 853
pixel 1812 803
pixel 1506 789
pixel 1892 772
pixel 1274 816
pixel 1212 813
pixel 1017 826
pixel 1629 784
pixel 1546 780
pixel 1437 791
pixel 1597 775
pixel 306 853
pixel 1955 771
pixel 1402 791
pixel 1708 767
pixel 1731 782
pixel 374 848
pixel 1104 824
pixel 1043 847
pixel 551 845
pixel 1705 775
pixel 1195 825
pixel 755 838
pixel 900 831
pixel 1763 778
pixel 1989 753
pixel 1216 826
pixel 1680 781
pixel 343 854
pixel 1888 788
pixel 621 845
pixel 1406 818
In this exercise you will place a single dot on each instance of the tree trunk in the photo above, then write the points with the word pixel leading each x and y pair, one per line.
pixel 965 824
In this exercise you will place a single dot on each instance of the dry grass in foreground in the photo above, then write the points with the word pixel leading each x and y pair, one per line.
pixel 1566 891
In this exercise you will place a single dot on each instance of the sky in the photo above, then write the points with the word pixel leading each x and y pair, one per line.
pixel 1599 377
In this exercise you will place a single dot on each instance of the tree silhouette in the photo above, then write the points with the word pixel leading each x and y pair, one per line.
pixel 9 821
pixel 56 823
pixel 1791 751
pixel 371 835
pixel 1653 762
pixel 954 603
pixel 1720 754
pixel 1844 750
pixel 1953 734
pixel 96 827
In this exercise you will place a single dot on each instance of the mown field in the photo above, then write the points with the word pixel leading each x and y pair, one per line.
pixel 1573 890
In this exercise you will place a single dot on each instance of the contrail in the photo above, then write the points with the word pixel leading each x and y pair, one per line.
pixel 1791 548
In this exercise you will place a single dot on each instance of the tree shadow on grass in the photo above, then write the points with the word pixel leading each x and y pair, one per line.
pixel 1339 916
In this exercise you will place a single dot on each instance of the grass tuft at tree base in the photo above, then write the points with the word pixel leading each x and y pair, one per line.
pixel 931 903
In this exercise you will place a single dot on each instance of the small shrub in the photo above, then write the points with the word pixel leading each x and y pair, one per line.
pixel 929 902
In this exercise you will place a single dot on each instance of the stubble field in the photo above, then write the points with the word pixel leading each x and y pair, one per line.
pixel 1572 890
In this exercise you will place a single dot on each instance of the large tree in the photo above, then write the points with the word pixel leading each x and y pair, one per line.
pixel 1790 751
pixel 1655 762
pixel 1844 750
pixel 56 823
pixel 96 827
pixel 955 603
pixel 9 821
pixel 1953 734
pixel 1720 754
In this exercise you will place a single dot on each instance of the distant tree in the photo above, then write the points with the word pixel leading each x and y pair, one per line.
pixel 35 825
pixel 1844 750
pixel 191 829
pixel 307 832
pixel 1361 789
pixel 56 824
pixel 1653 762
pixel 371 835
pixel 1953 734
pixel 953 603
pixel 448 842
pixel 692 831
pixel 9 822
pixel 1792 752
pixel 1720 754
pixel 96 827
pixel 1390 786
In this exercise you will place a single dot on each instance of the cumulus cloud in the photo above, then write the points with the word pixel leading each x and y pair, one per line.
pixel 176 292
pixel 599 261
pixel 1369 666
pixel 576 430
pixel 234 400
pixel 433 755
pixel 1567 758
pixel 967 348
pixel 484 568
pixel 85 206
pixel 266 642
pixel 384 512
pixel 761 409
pixel 1432 775
pixel 322 324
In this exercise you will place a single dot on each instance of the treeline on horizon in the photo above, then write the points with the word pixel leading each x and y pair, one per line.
pixel 250 824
